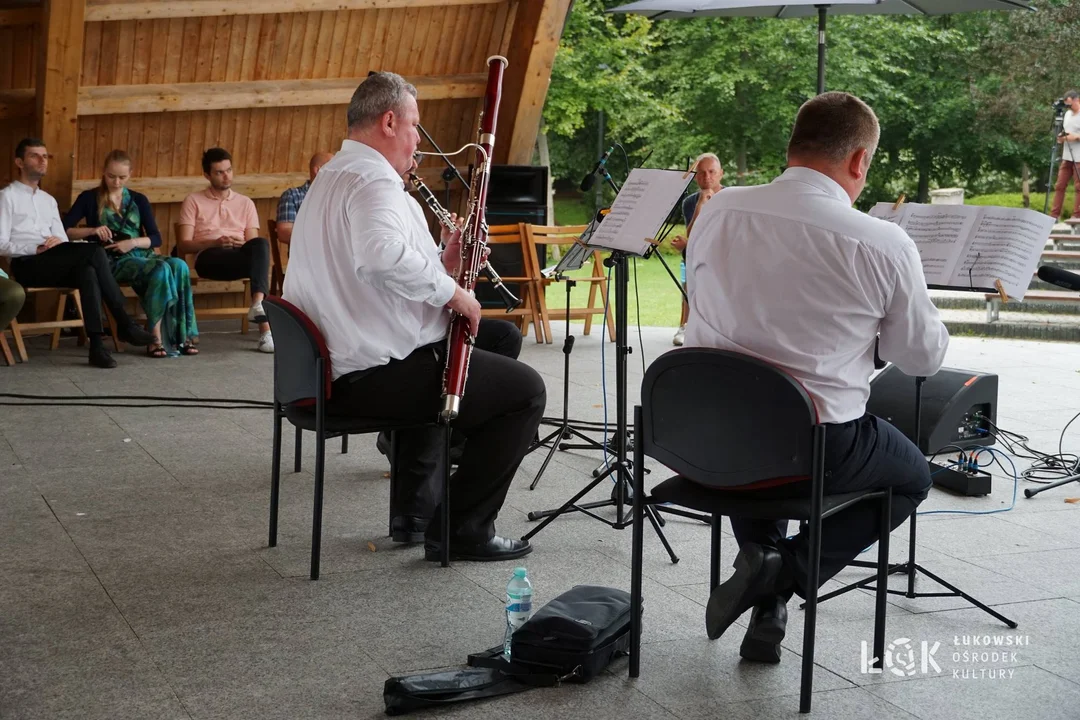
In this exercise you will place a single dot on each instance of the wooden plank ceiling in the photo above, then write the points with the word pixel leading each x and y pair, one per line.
pixel 268 80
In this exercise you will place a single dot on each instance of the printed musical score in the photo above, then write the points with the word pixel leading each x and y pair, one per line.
pixel 968 247
pixel 640 209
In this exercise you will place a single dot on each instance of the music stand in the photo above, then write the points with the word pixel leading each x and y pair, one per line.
pixel 638 221
pixel 573 259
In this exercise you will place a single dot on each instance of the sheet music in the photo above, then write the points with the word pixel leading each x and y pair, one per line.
pixel 968 246
pixel 1006 244
pixel 639 211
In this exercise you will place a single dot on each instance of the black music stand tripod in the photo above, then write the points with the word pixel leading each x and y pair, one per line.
pixel 620 469
pixel 565 429
pixel 909 567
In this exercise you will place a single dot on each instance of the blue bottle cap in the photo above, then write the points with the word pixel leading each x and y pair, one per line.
pixel 519 572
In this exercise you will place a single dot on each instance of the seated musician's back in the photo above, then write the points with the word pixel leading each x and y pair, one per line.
pixel 790 273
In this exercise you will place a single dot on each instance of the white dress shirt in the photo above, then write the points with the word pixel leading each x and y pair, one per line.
pixel 27 216
pixel 789 272
pixel 364 266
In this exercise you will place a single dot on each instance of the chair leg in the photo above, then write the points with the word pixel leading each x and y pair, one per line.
pixel 60 305
pixel 316 520
pixel 20 346
pixel 445 559
pixel 345 444
pixel 807 687
pixel 636 560
pixel 297 449
pixel 275 476
pixel 882 581
pixel 117 345
pixel 393 484
pixel 5 350
pixel 714 557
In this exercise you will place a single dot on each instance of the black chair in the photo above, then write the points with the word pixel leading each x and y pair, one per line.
pixel 302 386
pixel 733 426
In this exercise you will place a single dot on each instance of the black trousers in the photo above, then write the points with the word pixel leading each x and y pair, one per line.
pixel 250 260
pixel 500 412
pixel 84 266
pixel 861 454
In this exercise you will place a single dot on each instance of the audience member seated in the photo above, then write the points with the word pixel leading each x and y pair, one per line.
pixel 222 228
pixel 32 234
pixel 12 297
pixel 122 221
pixel 290 200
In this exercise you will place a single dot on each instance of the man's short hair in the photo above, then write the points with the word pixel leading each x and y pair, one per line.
pixel 1072 95
pixel 20 149
pixel 377 95
pixel 832 126
pixel 214 155
pixel 707 156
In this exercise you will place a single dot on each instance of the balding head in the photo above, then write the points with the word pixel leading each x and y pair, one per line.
pixel 836 134
pixel 317 161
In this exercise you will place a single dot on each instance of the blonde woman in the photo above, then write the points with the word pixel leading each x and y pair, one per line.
pixel 123 222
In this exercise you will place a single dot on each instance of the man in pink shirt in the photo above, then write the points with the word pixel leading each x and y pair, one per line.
pixel 222 228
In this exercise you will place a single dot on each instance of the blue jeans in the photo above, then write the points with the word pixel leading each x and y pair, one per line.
pixel 862 454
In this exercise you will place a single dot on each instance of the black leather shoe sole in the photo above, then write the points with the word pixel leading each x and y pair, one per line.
pixel 755 575
pixel 102 359
pixel 408 537
pixel 759 650
pixel 433 554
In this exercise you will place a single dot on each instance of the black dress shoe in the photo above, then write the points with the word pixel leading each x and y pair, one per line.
pixel 497 548
pixel 132 334
pixel 768 625
pixel 408 529
pixel 758 571
pixel 102 358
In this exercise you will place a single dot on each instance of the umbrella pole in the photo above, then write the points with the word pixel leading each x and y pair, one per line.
pixel 821 11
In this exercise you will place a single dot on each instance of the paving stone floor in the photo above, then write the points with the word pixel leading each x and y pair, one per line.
pixel 135 580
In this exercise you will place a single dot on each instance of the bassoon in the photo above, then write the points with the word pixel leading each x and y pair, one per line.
pixel 508 298
pixel 474 234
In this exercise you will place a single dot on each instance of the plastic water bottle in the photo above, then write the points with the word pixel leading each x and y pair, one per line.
pixel 519 594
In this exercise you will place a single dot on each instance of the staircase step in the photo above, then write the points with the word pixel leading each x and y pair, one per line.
pixel 1012 324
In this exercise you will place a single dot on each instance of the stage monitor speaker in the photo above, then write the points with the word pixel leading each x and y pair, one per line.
pixel 516 194
pixel 958 407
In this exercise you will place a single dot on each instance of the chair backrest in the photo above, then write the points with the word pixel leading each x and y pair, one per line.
pixel 298 347
pixel 723 419
pixel 275 249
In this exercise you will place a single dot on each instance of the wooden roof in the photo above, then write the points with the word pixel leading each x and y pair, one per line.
pixel 267 79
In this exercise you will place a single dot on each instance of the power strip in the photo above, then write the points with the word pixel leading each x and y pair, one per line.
pixel 971 482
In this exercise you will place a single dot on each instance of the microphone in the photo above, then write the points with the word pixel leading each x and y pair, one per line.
pixel 589 180
pixel 1059 277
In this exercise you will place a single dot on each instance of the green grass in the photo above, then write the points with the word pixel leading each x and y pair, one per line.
pixel 1016 200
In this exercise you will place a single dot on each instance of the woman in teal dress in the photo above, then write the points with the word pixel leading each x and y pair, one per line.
pixel 122 221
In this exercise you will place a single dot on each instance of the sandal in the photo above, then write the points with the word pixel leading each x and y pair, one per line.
pixel 156 350
pixel 189 348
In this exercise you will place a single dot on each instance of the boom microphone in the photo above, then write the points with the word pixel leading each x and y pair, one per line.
pixel 1059 277
pixel 589 180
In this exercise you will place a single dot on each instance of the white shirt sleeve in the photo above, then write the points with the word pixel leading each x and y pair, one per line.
pixel 382 252
pixel 56 225
pixel 912 335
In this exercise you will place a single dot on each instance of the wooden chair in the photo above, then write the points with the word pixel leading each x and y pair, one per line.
pixel 5 349
pixel 528 281
pixel 281 260
pixel 561 235
pixel 199 286
pixel 20 330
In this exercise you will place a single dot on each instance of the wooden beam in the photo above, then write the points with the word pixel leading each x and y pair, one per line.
pixel 11 17
pixel 101 10
pixel 268 185
pixel 18 103
pixel 534 39
pixel 58 73
pixel 180 97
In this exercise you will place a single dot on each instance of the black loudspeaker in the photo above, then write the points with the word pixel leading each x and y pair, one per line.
pixel 516 193
pixel 958 407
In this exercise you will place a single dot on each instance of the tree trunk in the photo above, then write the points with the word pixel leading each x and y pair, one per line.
pixel 544 157
pixel 740 163
pixel 924 177
pixel 1025 185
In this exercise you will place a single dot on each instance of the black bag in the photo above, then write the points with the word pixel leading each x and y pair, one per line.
pixel 415 692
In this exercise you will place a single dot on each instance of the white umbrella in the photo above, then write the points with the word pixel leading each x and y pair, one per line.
pixel 673 9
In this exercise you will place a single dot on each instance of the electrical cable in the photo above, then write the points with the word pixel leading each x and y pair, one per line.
pixel 995 457
pixel 145 401
pixel 637 308
pixel 1045 467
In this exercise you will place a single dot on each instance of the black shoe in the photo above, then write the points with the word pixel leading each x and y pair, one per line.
pixel 408 529
pixel 768 625
pixel 758 570
pixel 100 357
pixel 132 334
pixel 382 443
pixel 497 548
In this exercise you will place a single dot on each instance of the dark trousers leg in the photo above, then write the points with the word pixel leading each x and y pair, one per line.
pixel 418 491
pixel 501 409
pixel 866 454
pixel 80 265
pixel 251 261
